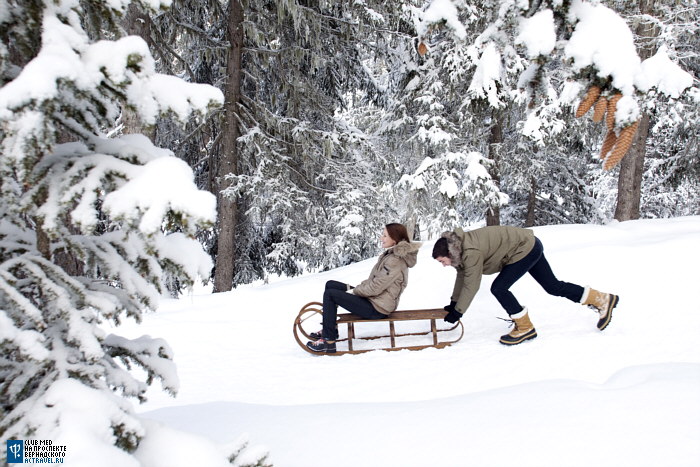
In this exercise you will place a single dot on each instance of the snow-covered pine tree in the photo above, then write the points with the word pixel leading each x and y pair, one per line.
pixel 92 226
pixel 671 179
pixel 306 194
pixel 186 40
pixel 439 120
pixel 550 174
pixel 568 46
pixel 306 180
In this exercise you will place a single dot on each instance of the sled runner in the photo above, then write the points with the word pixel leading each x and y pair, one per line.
pixel 314 310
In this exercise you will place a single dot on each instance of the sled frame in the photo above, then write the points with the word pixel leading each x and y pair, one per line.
pixel 314 309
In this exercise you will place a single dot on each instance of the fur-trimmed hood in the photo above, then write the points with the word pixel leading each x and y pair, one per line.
pixel 454 248
pixel 408 251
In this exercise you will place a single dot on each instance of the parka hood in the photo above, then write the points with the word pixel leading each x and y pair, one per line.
pixel 454 246
pixel 408 251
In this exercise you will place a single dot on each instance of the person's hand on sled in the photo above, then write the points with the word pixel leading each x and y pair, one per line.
pixel 452 314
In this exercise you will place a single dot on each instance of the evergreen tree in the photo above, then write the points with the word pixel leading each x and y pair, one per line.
pixel 92 228
pixel 345 125
pixel 669 186
pixel 438 124
pixel 303 179
pixel 535 82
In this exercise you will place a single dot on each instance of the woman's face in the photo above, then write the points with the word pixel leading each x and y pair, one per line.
pixel 387 241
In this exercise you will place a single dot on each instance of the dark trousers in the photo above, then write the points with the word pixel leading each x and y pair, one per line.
pixel 536 264
pixel 336 294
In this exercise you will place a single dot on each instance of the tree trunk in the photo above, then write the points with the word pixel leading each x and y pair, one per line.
pixel 228 162
pixel 493 214
pixel 137 23
pixel 411 228
pixel 629 184
pixel 531 204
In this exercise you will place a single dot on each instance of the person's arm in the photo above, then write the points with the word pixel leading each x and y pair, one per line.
pixel 469 280
pixel 457 289
pixel 378 282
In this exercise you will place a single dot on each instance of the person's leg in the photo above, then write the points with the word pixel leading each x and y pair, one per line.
pixel 359 306
pixel 509 275
pixel 330 313
pixel 542 272
pixel 523 328
pixel 330 285
pixel 324 341
pixel 336 285
pixel 603 302
pixel 334 297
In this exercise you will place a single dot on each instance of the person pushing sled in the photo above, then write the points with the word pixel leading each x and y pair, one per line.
pixel 511 252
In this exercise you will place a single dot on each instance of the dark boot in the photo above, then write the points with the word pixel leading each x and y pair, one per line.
pixel 603 303
pixel 322 346
pixel 319 335
pixel 522 329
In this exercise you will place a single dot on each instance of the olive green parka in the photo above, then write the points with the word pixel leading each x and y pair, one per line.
pixel 483 251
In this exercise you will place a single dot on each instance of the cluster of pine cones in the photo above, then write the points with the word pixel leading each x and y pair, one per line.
pixel 614 146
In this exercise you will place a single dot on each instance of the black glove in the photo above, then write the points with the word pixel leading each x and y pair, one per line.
pixel 450 307
pixel 453 316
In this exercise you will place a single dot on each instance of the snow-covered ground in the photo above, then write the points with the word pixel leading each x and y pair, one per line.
pixel 575 396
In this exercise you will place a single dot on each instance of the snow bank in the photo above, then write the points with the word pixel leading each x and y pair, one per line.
pixel 572 397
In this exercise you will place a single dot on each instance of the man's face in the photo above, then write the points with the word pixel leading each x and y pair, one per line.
pixel 444 261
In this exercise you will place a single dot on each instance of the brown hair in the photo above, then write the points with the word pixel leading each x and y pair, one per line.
pixel 397 232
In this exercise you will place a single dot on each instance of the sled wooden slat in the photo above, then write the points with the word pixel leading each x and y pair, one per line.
pixel 315 309
pixel 398 315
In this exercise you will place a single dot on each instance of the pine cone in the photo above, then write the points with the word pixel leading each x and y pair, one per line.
pixel 622 146
pixel 608 143
pixel 599 110
pixel 422 49
pixel 588 101
pixel 612 108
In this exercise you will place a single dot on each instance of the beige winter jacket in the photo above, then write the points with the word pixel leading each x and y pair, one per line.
pixel 484 251
pixel 389 277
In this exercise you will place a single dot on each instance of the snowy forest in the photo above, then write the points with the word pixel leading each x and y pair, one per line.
pixel 147 144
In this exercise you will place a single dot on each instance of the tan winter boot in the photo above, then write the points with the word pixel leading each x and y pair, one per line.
pixel 522 329
pixel 602 302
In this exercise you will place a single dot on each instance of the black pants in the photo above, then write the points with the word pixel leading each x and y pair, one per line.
pixel 536 264
pixel 336 294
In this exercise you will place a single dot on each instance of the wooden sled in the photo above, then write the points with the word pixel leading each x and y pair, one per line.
pixel 314 309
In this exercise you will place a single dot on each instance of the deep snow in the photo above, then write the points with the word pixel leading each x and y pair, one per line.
pixel 575 396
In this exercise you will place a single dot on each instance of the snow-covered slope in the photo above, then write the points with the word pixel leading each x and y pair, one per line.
pixel 575 396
